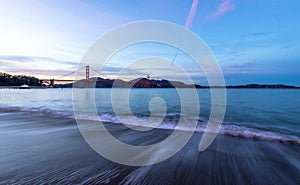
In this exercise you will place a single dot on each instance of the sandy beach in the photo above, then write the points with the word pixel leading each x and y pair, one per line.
pixel 39 149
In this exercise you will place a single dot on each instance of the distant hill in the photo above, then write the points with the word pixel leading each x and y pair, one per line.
pixel 145 83
pixel 136 83
pixel 262 86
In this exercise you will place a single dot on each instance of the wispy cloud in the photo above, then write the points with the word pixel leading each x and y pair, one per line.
pixel 244 65
pixel 224 7
pixel 241 68
pixel 19 58
pixel 288 46
pixel 258 34
pixel 44 73
pixel 35 65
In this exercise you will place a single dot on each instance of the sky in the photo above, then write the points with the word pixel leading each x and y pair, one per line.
pixel 254 41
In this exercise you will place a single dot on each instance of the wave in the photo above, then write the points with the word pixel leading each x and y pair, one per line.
pixel 38 111
pixel 168 123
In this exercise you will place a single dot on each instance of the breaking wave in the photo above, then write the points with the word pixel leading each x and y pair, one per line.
pixel 169 123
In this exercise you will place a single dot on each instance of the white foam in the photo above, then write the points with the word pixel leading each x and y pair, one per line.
pixel 170 123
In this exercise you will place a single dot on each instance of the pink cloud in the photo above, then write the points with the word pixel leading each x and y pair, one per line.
pixel 224 7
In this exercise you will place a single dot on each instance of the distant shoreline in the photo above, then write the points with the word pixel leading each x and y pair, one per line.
pixel 255 86
pixel 15 82
pixel 248 86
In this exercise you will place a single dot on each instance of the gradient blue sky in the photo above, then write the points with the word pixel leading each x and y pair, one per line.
pixel 254 41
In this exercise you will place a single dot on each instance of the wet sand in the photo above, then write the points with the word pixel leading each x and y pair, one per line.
pixel 42 149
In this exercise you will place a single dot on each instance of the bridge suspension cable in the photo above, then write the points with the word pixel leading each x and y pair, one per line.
pixel 68 74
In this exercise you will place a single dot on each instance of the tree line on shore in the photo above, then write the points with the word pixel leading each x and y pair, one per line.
pixel 18 80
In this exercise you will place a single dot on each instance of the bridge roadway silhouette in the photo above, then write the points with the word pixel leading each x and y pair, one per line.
pixel 51 82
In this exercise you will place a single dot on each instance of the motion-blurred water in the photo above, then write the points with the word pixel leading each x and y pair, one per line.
pixel 40 142
pixel 271 114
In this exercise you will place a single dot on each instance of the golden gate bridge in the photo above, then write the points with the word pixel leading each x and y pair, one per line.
pixel 88 80
pixel 51 82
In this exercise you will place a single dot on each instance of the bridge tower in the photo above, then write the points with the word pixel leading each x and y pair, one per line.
pixel 87 76
pixel 51 83
pixel 148 82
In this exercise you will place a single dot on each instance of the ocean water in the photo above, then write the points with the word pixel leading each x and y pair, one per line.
pixel 266 114
pixel 258 143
